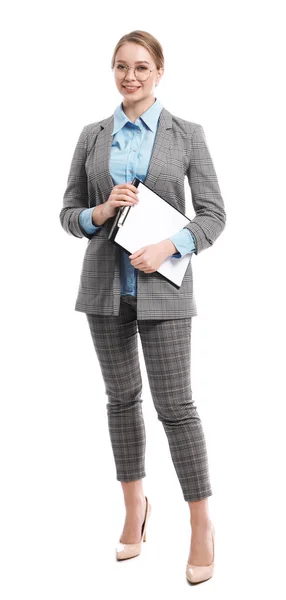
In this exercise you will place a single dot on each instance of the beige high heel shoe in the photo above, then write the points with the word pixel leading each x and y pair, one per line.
pixel 196 573
pixel 130 550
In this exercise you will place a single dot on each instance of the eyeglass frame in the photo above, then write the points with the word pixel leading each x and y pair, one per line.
pixel 127 68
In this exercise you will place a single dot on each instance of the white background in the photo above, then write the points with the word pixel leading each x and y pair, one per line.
pixel 61 507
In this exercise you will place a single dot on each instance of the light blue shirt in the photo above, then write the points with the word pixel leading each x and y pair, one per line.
pixel 130 155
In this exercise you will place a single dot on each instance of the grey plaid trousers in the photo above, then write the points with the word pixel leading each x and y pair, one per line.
pixel 166 346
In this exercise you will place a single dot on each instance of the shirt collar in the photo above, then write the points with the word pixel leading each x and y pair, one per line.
pixel 150 117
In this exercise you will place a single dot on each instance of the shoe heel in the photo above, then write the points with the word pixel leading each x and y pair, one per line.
pixel 149 513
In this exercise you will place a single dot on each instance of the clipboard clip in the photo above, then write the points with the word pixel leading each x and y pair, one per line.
pixel 123 215
pixel 125 209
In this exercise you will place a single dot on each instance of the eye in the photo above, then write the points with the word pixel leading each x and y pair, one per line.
pixel 120 67
pixel 142 68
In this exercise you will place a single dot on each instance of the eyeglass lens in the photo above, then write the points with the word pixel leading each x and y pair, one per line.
pixel 141 72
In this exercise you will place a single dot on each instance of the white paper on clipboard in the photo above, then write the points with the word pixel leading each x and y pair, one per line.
pixel 149 222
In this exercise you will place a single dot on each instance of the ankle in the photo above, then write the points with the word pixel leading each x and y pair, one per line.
pixel 135 502
pixel 202 522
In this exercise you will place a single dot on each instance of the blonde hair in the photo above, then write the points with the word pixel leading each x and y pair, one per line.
pixel 145 39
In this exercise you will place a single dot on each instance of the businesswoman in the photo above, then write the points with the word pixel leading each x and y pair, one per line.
pixel 123 294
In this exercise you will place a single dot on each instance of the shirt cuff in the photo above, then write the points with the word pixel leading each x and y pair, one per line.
pixel 85 219
pixel 184 242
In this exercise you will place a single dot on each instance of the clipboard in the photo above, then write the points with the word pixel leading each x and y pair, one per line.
pixel 151 220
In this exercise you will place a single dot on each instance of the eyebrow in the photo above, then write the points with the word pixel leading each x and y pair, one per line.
pixel 138 61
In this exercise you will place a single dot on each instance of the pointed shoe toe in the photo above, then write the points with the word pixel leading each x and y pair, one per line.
pixel 124 551
pixel 198 573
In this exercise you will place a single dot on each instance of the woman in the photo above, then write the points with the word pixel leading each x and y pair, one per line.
pixel 122 294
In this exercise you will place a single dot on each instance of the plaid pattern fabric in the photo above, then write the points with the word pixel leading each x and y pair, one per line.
pixel 166 347
pixel 180 150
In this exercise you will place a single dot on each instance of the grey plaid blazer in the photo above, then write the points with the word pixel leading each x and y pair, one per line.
pixel 180 149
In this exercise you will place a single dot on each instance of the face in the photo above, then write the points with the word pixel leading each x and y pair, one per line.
pixel 131 55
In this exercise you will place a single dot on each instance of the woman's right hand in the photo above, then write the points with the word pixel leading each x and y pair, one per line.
pixel 123 194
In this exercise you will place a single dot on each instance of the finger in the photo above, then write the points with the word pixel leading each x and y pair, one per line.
pixel 137 253
pixel 128 185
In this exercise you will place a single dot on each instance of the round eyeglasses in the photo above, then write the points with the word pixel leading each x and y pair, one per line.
pixel 141 72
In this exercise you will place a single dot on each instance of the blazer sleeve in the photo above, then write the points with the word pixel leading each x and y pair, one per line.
pixel 76 195
pixel 208 203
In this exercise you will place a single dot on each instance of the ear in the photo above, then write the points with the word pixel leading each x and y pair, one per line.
pixel 160 74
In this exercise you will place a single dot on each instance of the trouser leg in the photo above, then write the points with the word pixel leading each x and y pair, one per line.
pixel 116 344
pixel 166 346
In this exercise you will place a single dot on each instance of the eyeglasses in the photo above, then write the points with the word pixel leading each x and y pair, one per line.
pixel 141 72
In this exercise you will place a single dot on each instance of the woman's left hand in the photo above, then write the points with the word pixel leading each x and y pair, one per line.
pixel 149 258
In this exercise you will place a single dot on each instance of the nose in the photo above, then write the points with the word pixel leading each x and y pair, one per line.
pixel 129 76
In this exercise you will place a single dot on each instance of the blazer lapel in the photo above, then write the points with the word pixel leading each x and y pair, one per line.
pixel 161 148
pixel 160 151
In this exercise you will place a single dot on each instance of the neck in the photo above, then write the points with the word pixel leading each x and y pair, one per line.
pixel 133 110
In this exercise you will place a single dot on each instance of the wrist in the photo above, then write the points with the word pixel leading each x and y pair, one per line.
pixel 98 216
pixel 169 247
